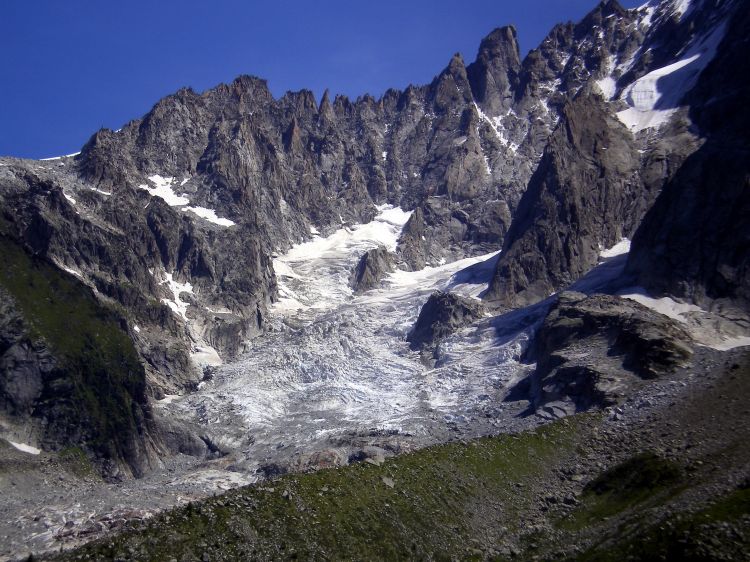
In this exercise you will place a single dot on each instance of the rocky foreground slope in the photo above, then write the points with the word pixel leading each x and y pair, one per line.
pixel 661 477
pixel 294 241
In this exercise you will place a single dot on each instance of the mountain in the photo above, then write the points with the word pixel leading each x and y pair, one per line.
pixel 236 286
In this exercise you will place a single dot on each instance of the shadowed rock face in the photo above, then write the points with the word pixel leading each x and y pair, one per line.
pixel 372 267
pixel 695 241
pixel 593 351
pixel 70 374
pixel 585 195
pixel 442 315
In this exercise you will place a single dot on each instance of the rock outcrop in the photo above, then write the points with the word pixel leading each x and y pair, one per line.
pixel 585 195
pixel 442 315
pixel 594 351
pixel 371 268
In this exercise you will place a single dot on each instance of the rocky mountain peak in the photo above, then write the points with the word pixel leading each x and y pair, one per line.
pixel 452 85
pixel 325 110
pixel 494 73
pixel 501 45
pixel 251 86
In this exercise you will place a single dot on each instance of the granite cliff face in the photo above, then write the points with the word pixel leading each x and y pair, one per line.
pixel 603 166
pixel 693 243
pixel 174 221
pixel 71 375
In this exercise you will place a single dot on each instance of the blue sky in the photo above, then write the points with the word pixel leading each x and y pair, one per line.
pixel 69 67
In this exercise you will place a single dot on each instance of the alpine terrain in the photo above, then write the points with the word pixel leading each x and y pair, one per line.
pixel 502 315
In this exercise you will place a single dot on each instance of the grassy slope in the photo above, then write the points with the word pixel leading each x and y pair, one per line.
pixel 439 497
pixel 471 501
pixel 100 381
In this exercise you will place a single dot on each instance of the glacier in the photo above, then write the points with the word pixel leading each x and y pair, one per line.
pixel 334 372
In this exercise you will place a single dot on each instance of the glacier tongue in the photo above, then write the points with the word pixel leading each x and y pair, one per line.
pixel 335 372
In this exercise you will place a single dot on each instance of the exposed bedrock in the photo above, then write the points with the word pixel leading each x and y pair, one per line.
pixel 595 351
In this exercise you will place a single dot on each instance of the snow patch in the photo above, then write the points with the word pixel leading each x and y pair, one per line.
pixel 177 305
pixel 73 272
pixel 209 215
pixel 59 157
pixel 25 448
pixel 682 8
pixel 608 87
pixel 496 125
pixel 163 187
pixel 69 198
pixel 664 305
pixel 655 97
pixel 646 13
pixel 622 247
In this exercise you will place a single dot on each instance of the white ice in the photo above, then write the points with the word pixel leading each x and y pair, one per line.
pixel 335 365
pixel 164 187
pixel 622 247
pixel 25 448
pixel 176 288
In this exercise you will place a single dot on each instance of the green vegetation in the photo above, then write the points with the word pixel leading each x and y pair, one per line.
pixel 96 389
pixel 721 531
pixel 75 461
pixel 643 478
pixel 425 505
